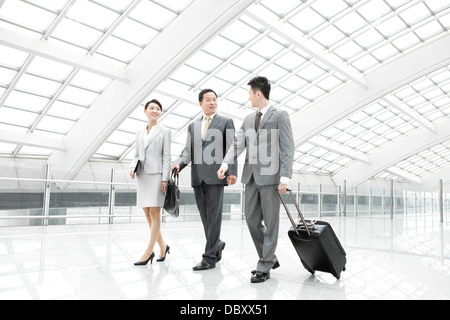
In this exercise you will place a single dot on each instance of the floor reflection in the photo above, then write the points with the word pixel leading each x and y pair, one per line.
pixel 404 258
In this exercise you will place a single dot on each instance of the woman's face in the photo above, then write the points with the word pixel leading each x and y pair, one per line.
pixel 153 112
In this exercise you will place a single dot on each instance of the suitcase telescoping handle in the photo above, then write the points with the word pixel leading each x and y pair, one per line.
pixel 294 225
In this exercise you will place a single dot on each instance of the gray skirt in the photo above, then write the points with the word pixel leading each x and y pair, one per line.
pixel 149 191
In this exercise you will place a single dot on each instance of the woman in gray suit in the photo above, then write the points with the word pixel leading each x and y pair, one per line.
pixel 153 145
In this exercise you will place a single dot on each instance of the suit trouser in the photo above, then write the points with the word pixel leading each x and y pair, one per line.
pixel 262 203
pixel 209 200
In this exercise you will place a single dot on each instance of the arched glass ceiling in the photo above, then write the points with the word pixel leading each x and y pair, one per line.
pixel 309 50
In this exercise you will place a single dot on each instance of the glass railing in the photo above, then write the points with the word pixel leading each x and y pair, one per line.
pixel 45 201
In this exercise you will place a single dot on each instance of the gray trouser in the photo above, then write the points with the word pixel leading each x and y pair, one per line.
pixel 262 203
pixel 210 204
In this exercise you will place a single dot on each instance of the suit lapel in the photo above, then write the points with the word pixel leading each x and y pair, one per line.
pixel 266 118
pixel 154 134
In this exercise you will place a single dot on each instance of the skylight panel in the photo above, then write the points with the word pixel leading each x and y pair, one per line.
pixel 204 61
pixel 32 151
pixel 135 32
pixel 350 23
pixel 118 49
pixel 76 34
pixel 122 138
pixel 385 52
pixel 12 57
pixel 281 8
pixel 53 124
pixel 132 125
pixel 313 93
pixel 91 14
pixel 152 14
pixel 7 148
pixel 232 74
pixel 240 32
pixel 429 30
pixel 110 150
pixel 294 83
pixel 27 15
pixel 329 36
pixel 347 50
pixel 297 103
pixel 391 26
pixel 49 69
pixel 26 101
pixel 414 14
pixel 116 5
pixel 176 5
pixel 221 48
pixel 7 76
pixel 307 20
pixel 218 85
pixel 175 122
pixel 17 117
pixel 88 80
pixel 373 10
pixel 406 42
pixel 66 110
pixel 267 48
pixel 329 9
pixel 249 61
pixel 188 75
pixel 78 96
pixel 38 85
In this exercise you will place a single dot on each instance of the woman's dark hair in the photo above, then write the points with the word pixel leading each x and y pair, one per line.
pixel 155 102
pixel 261 84
pixel 203 92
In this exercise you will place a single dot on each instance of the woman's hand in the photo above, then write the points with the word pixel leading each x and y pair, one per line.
pixel 164 187
pixel 132 174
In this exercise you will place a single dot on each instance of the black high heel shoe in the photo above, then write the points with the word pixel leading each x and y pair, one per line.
pixel 164 258
pixel 144 263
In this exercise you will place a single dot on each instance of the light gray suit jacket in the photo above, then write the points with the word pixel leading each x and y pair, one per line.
pixel 156 154
pixel 270 151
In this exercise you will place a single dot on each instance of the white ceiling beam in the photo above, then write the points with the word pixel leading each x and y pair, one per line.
pixel 339 149
pixel 335 107
pixel 1 3
pixel 406 110
pixel 32 140
pixel 392 154
pixel 404 174
pixel 187 34
pixel 47 50
pixel 294 37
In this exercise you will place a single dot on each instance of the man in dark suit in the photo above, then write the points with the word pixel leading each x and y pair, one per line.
pixel 267 136
pixel 209 139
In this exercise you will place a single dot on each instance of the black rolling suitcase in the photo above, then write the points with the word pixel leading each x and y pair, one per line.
pixel 316 244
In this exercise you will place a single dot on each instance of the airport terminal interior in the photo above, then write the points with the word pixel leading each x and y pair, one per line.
pixel 366 84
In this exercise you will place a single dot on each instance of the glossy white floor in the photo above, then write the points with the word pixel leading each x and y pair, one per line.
pixel 407 258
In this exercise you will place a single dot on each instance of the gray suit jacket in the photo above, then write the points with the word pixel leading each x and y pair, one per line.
pixel 270 151
pixel 207 155
pixel 156 154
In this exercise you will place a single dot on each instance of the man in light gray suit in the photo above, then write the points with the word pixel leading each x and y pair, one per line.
pixel 209 139
pixel 267 136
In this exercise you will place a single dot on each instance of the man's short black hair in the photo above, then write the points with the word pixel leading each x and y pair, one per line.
pixel 261 84
pixel 203 92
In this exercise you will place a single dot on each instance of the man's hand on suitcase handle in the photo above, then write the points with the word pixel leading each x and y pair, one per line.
pixel 283 189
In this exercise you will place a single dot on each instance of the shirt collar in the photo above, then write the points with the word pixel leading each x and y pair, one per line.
pixel 265 109
pixel 212 116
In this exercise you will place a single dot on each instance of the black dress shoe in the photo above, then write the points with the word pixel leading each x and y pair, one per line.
pixel 219 251
pixel 275 266
pixel 259 277
pixel 204 266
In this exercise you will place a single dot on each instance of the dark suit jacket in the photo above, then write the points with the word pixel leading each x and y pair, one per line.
pixel 207 155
